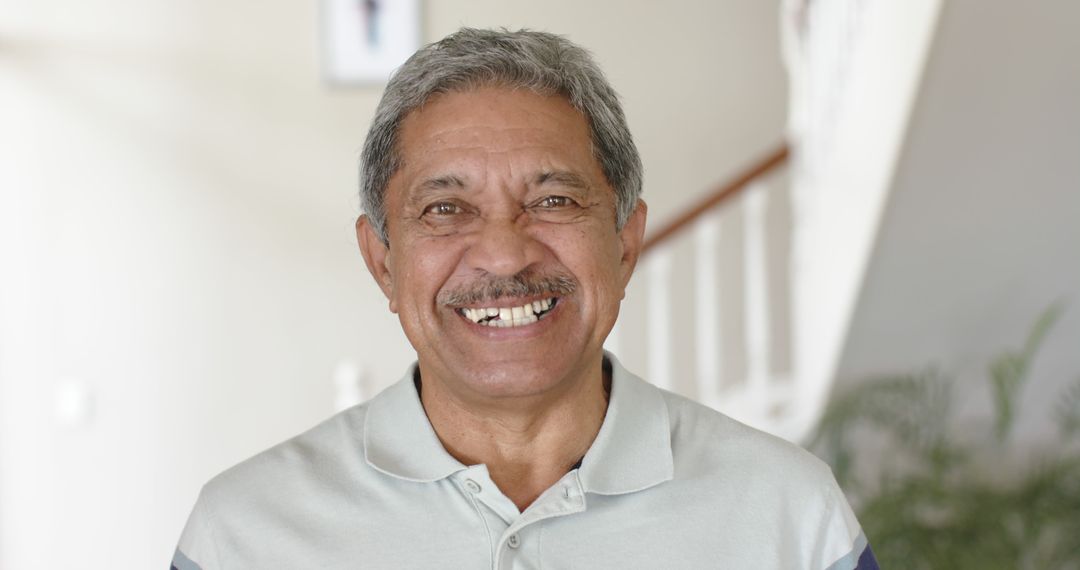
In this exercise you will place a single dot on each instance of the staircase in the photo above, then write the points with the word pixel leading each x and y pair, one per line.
pixel 743 301
pixel 738 347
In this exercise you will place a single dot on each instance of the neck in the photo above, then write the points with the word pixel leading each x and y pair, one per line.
pixel 526 445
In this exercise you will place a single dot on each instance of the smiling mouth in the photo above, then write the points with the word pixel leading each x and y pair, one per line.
pixel 503 317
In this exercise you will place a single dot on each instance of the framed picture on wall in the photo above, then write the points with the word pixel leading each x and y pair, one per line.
pixel 365 40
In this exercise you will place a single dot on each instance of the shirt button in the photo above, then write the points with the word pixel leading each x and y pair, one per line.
pixel 513 541
pixel 472 486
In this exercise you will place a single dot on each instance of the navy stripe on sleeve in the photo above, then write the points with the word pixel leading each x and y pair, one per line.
pixel 180 561
pixel 867 560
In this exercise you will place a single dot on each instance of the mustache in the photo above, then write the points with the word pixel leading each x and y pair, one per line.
pixel 527 283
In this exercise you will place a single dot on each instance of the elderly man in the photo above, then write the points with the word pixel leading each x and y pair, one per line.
pixel 503 221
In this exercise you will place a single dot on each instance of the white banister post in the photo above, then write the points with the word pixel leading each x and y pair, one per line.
pixel 708 339
pixel 659 318
pixel 757 293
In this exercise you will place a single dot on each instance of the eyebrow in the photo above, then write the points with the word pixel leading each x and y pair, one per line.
pixel 440 183
pixel 425 188
pixel 563 177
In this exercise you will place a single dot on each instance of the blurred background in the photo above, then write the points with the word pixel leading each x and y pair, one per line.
pixel 842 194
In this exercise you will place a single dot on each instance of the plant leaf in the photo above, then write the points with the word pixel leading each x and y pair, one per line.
pixel 1068 410
pixel 1009 371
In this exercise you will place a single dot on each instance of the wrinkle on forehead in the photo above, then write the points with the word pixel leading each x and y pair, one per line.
pixel 483 147
pixel 489 113
pixel 496 139
pixel 466 140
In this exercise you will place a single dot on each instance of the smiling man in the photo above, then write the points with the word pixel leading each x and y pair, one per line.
pixel 503 222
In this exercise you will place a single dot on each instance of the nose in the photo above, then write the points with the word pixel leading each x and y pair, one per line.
pixel 504 247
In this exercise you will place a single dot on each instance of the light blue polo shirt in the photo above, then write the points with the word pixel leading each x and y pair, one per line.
pixel 668 483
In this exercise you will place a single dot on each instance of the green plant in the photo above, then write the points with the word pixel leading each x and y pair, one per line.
pixel 939 501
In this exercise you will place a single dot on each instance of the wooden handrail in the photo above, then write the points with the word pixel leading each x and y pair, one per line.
pixel 724 192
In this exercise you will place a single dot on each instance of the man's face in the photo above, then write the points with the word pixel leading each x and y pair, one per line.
pixel 504 264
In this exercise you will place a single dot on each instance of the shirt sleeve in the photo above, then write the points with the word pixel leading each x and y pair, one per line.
pixel 842 543
pixel 197 549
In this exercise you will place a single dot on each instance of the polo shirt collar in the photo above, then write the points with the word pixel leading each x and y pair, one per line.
pixel 633 449
pixel 631 452
pixel 399 439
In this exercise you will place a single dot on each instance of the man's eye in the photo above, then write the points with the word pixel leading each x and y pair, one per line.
pixel 557 209
pixel 553 202
pixel 443 209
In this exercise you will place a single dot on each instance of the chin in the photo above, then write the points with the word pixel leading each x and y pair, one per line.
pixel 513 383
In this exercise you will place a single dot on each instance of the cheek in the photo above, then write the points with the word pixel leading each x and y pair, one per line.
pixel 592 255
pixel 421 270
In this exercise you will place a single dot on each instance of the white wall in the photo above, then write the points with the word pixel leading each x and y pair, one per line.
pixel 176 207
pixel 981 230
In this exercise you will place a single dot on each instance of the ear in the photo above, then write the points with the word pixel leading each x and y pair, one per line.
pixel 631 238
pixel 376 257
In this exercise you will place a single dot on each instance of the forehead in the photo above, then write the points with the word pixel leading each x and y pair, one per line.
pixel 495 120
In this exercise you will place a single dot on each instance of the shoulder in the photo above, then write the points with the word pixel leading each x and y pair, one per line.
pixel 707 441
pixel 325 450
pixel 329 454
pixel 270 494
pixel 709 448
pixel 765 482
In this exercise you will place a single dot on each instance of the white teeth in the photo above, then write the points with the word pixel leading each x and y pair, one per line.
pixel 508 316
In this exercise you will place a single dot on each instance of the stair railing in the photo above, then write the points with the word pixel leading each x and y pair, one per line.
pixel 736 355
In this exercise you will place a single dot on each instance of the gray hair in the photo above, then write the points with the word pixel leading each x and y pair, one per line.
pixel 541 62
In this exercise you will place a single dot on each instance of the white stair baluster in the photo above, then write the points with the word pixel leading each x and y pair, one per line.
pixel 708 338
pixel 757 296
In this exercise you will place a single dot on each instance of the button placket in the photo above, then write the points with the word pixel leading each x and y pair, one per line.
pixel 564 498
pixel 474 484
